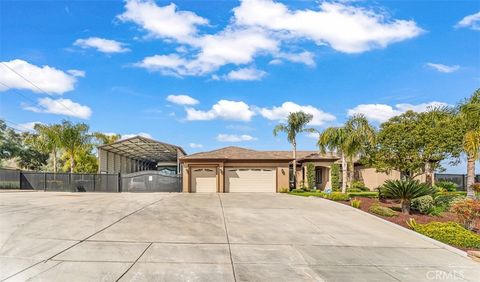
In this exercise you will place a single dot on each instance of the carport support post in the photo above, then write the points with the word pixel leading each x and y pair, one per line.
pixel 119 183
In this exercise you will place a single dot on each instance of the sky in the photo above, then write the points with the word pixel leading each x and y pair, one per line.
pixel 210 74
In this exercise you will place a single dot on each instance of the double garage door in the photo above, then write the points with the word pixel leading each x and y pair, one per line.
pixel 236 180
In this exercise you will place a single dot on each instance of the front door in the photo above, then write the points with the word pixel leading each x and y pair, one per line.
pixel 318 177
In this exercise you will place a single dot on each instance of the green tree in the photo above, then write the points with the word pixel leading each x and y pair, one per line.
pixel 85 160
pixel 415 143
pixel 10 142
pixel 296 123
pixel 46 139
pixel 350 141
pixel 470 116
pixel 72 138
pixel 103 138
pixel 361 135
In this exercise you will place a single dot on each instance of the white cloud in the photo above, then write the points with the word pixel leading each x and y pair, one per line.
pixel 281 113
pixel 245 74
pixel 49 79
pixel 260 28
pixel 195 145
pixel 162 22
pixel 314 135
pixel 305 57
pixel 234 138
pixel 382 112
pixel 143 134
pixel 223 109
pixel 443 68
pixel 471 21
pixel 237 47
pixel 77 73
pixel 101 44
pixel 60 107
pixel 27 126
pixel 275 62
pixel 182 100
pixel 348 29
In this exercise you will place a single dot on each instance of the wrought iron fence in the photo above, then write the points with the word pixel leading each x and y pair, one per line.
pixel 459 179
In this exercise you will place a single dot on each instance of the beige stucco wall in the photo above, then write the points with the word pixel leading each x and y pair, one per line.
pixel 281 170
pixel 374 179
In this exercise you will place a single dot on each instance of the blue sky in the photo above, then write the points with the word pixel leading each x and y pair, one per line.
pixel 208 74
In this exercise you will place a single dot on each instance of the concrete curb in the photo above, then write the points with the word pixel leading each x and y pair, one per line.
pixel 418 235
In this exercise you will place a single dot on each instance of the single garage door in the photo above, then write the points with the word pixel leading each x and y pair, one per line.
pixel 204 180
pixel 250 180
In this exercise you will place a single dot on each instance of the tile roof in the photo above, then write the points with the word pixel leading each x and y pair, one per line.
pixel 239 153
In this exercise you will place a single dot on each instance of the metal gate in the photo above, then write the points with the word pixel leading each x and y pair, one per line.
pixel 151 181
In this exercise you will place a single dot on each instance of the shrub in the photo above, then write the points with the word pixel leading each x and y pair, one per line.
pixel 446 199
pixel 335 176
pixel 467 211
pixel 450 233
pixel 298 191
pixel 405 191
pixel 354 190
pixel 358 185
pixel 310 175
pixel 356 203
pixel 476 187
pixel 284 190
pixel 412 223
pixel 446 186
pixel 382 211
pixel 338 196
pixel 363 194
pixel 423 204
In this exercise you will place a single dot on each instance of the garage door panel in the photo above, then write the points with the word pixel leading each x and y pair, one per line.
pixel 204 180
pixel 250 180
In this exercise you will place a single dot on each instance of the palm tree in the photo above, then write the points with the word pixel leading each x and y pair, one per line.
pixel 72 138
pixel 361 134
pixel 350 141
pixel 334 139
pixel 296 123
pixel 106 138
pixel 470 114
pixel 47 139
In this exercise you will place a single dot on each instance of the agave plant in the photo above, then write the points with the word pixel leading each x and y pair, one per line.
pixel 405 191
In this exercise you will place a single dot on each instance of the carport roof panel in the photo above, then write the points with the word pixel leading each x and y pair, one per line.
pixel 142 148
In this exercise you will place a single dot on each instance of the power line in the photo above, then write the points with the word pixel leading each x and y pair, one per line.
pixel 18 92
pixel 41 90
pixel 17 126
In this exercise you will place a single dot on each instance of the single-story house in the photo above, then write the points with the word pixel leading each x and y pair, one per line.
pixel 236 169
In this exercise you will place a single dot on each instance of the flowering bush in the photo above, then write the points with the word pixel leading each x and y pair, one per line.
pixel 476 187
pixel 467 211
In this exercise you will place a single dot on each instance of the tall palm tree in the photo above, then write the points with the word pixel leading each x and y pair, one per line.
pixel 360 135
pixel 72 138
pixel 296 123
pixel 334 139
pixel 470 114
pixel 350 141
pixel 47 139
pixel 106 138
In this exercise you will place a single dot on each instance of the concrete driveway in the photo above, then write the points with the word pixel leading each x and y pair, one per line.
pixel 210 237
